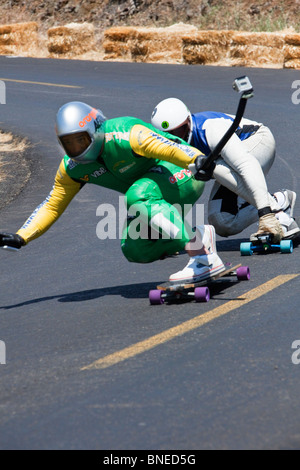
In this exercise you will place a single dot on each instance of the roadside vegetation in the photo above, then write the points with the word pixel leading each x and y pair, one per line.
pixel 242 15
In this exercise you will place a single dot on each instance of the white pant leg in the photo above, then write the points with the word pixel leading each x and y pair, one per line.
pixel 263 147
pixel 233 215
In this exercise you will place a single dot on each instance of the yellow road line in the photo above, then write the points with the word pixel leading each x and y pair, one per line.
pixel 39 83
pixel 189 325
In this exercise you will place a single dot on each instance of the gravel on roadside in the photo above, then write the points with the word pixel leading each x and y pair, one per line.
pixel 14 167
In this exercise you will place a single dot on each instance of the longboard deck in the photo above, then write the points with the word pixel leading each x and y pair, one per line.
pixel 168 286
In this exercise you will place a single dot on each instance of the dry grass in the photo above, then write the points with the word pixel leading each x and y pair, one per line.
pixel 240 15
pixel 185 44
pixel 206 47
pixel 146 44
pixel 22 39
pixel 179 43
pixel 17 37
pixel 8 145
pixel 71 39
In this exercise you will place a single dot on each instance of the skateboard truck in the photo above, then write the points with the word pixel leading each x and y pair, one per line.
pixel 264 244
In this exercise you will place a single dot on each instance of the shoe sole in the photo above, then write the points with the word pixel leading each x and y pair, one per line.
pixel 292 234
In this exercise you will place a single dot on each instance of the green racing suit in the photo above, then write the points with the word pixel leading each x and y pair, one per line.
pixel 150 168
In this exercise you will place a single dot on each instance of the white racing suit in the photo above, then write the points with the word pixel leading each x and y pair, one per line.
pixel 240 188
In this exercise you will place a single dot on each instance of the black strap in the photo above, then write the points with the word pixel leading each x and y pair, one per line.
pixel 264 211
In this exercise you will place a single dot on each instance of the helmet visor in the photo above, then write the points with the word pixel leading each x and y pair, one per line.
pixel 75 144
pixel 183 130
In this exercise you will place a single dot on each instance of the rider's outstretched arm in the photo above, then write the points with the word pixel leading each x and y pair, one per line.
pixel 48 212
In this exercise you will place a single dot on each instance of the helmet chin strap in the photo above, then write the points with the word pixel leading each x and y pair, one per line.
pixel 100 153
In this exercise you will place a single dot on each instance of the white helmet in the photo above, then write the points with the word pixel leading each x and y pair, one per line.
pixel 171 115
pixel 80 132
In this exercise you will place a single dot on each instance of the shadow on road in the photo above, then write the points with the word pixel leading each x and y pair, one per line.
pixel 129 291
pixel 230 244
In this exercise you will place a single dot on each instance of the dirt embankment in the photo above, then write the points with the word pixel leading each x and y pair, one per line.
pixel 79 28
pixel 14 167
pixel 256 15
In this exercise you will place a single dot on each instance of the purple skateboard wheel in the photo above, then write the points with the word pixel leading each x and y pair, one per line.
pixel 202 294
pixel 155 297
pixel 243 273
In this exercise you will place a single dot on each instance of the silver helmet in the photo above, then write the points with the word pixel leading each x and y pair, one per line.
pixel 171 115
pixel 80 132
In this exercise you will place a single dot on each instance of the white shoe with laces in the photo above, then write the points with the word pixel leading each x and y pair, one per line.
pixel 201 267
pixel 287 200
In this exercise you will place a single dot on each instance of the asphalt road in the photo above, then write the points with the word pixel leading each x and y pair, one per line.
pixel 89 363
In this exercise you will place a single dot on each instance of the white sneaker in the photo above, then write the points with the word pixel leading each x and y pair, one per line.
pixel 291 230
pixel 286 199
pixel 201 267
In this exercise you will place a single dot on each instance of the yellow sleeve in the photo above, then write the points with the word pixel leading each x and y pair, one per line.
pixel 48 212
pixel 149 144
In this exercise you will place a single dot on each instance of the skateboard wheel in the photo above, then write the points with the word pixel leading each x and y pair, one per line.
pixel 286 246
pixel 202 294
pixel 246 249
pixel 243 273
pixel 155 297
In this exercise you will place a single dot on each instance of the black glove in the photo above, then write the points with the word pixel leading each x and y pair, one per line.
pixel 203 175
pixel 11 239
